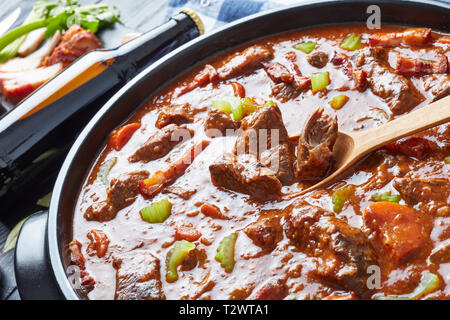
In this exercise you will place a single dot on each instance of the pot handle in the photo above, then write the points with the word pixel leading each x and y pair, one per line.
pixel 34 274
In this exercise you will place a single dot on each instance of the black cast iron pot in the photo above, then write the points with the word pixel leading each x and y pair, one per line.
pixel 42 254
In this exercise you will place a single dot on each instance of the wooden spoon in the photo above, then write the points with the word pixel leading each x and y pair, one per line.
pixel 351 147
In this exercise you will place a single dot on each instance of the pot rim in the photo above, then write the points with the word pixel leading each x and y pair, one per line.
pixel 52 227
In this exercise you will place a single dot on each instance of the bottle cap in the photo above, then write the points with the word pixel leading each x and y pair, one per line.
pixel 196 18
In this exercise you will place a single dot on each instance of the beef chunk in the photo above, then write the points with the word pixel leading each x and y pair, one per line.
pixel 244 61
pixel 442 94
pixel 401 232
pixel 273 289
pixel 265 136
pixel 280 159
pixel 180 191
pixel 176 114
pixel 417 67
pixel 138 276
pixel 76 257
pixel 120 194
pixel 343 252
pixel 260 122
pixel 318 59
pixel 161 143
pixel 245 174
pixel 358 76
pixel 432 194
pixel 216 122
pixel 265 233
pixel 285 91
pixel 287 86
pixel 441 253
pixel 398 91
pixel 315 145
pixel 278 73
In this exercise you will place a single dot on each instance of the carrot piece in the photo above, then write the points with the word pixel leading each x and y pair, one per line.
pixel 416 36
pixel 153 185
pixel 99 243
pixel 187 232
pixel 122 135
pixel 400 230
pixel 238 89
pixel 212 211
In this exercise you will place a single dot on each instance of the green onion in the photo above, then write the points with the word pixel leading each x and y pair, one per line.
pixel 306 47
pixel 341 196
pixel 428 283
pixel 447 160
pixel 20 31
pixel 385 197
pixel 57 16
pixel 225 252
pixel 175 258
pixel 319 81
pixel 104 170
pixel 338 101
pixel 157 212
pixel 39 11
pixel 351 42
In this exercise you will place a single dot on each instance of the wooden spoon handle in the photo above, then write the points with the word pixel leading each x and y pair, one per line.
pixel 429 116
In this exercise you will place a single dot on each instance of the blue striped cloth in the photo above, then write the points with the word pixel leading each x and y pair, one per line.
pixel 215 13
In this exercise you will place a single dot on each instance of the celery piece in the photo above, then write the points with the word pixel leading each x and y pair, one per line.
pixel 248 106
pixel 175 258
pixel 306 47
pixel 385 197
pixel 225 252
pixel 428 283
pixel 447 160
pixel 104 170
pixel 157 212
pixel 268 104
pixel 221 105
pixel 319 81
pixel 341 196
pixel 351 42
pixel 339 101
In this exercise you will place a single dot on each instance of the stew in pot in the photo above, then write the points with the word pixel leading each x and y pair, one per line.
pixel 190 199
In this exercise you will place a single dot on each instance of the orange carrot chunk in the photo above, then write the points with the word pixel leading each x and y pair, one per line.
pixel 160 179
pixel 212 211
pixel 400 230
pixel 187 232
pixel 122 135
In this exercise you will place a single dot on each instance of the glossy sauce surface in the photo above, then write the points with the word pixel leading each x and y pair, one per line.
pixel 208 280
